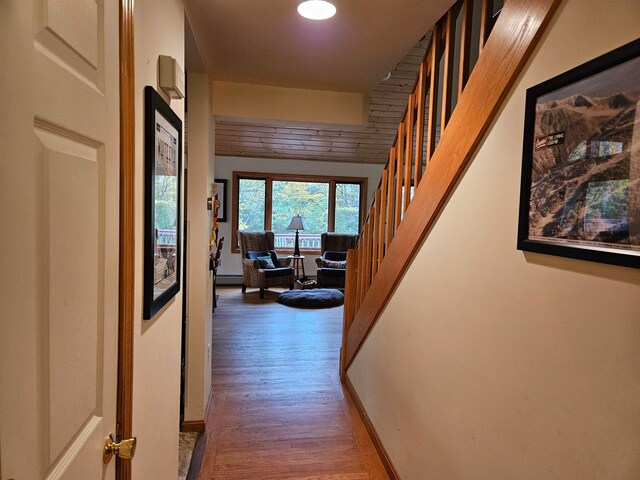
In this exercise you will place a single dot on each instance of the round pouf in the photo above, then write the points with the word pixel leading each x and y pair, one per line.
pixel 313 298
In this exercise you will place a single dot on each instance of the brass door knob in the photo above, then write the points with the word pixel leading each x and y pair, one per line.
pixel 123 449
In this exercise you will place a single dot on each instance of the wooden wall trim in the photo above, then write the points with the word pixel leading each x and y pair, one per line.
pixel 193 426
pixel 375 438
pixel 127 241
pixel 517 31
pixel 269 178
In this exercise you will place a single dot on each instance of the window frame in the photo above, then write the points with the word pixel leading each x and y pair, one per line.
pixel 269 178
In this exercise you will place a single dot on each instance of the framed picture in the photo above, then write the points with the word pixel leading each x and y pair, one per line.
pixel 163 206
pixel 221 191
pixel 580 189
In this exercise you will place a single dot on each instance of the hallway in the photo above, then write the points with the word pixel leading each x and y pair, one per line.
pixel 279 410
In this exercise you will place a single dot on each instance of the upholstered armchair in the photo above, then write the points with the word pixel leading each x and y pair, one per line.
pixel 332 264
pixel 257 248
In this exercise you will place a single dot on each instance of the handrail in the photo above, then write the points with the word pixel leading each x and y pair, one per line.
pixel 395 231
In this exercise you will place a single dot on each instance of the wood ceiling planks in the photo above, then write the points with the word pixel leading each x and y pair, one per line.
pixel 371 144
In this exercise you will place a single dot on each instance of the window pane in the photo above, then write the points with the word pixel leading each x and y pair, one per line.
pixel 347 208
pixel 308 199
pixel 251 204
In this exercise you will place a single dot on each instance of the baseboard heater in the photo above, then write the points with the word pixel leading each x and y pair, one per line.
pixel 237 279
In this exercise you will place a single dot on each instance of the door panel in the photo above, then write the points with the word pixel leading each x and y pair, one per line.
pixel 74 264
pixel 61 172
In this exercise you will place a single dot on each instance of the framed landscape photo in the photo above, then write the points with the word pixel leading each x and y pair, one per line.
pixel 221 191
pixel 580 188
pixel 163 209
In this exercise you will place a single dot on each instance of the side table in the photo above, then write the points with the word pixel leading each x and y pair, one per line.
pixel 298 266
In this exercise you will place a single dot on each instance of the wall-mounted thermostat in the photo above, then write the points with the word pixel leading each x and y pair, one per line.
pixel 171 76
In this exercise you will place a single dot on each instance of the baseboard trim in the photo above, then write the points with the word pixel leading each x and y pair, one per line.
pixel 377 443
pixel 194 426
pixel 229 280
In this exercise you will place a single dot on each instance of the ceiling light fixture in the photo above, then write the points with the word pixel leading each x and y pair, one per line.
pixel 316 9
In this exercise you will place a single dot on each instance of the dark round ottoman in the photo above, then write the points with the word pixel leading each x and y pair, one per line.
pixel 313 298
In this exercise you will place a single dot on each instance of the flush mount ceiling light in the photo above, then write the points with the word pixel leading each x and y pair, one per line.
pixel 316 9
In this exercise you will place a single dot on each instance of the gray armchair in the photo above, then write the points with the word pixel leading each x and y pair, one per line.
pixel 254 274
pixel 332 263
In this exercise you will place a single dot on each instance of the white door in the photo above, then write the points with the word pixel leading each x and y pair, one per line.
pixel 59 240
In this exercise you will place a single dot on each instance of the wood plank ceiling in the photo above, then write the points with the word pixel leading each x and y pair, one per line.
pixel 371 144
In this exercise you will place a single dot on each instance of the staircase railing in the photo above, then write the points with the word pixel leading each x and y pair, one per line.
pixel 447 114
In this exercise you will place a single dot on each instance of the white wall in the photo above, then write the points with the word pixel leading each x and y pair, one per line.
pixel 225 166
pixel 489 363
pixel 159 30
pixel 200 278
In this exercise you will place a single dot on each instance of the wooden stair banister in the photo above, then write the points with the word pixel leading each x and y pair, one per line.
pixel 395 232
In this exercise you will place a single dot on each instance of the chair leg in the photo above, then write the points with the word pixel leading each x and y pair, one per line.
pixel 262 293
pixel 244 288
pixel 291 286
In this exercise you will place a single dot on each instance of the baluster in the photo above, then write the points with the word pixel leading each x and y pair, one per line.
pixel 375 224
pixel 421 94
pixel 465 45
pixel 434 61
pixel 382 216
pixel 449 53
pixel 398 196
pixel 360 276
pixel 408 150
pixel 486 23
pixel 390 197
pixel 350 305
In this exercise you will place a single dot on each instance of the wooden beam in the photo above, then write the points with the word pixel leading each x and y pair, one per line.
pixel 331 221
pixel 518 29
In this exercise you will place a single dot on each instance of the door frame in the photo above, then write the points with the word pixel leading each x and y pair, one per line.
pixel 124 412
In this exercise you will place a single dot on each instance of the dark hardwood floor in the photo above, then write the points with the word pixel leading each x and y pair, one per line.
pixel 279 411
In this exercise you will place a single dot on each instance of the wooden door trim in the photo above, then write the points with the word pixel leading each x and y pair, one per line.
pixel 124 413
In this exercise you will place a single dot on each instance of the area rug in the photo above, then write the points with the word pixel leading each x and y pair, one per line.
pixel 313 298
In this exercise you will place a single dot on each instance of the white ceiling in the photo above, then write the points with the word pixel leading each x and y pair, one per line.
pixel 267 42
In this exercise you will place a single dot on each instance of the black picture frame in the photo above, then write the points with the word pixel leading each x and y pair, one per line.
pixel 163 202
pixel 580 183
pixel 221 191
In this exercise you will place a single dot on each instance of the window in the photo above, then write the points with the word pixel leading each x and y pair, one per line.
pixel 347 207
pixel 251 204
pixel 268 201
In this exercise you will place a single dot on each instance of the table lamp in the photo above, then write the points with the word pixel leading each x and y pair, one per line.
pixel 297 223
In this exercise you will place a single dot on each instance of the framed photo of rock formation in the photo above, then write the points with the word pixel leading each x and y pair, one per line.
pixel 580 190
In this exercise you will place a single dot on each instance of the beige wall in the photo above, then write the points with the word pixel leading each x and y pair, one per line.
pixel 159 30
pixel 248 101
pixel 225 166
pixel 199 283
pixel 489 363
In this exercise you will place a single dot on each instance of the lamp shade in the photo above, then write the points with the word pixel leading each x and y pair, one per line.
pixel 298 223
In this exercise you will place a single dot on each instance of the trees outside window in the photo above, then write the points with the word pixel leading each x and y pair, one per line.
pixel 269 201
